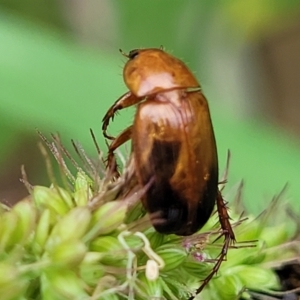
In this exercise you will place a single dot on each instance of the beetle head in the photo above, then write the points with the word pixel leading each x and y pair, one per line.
pixel 151 71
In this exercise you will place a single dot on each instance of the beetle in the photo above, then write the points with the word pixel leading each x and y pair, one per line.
pixel 173 144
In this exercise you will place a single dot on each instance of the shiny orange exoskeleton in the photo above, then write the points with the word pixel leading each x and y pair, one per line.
pixel 173 145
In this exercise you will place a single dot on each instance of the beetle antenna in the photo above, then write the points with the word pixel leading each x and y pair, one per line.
pixel 123 53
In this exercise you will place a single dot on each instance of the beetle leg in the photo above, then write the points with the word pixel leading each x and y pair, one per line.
pixel 228 239
pixel 122 138
pixel 224 217
pixel 126 100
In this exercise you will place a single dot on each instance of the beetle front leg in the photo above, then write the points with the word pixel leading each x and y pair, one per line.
pixel 122 138
pixel 124 101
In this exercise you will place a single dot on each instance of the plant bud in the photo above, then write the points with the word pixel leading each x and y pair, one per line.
pixel 83 191
pixel 246 256
pixel 155 238
pixel 149 289
pixel 26 220
pixel 225 287
pixel 110 248
pixel 108 217
pixel 256 278
pixel 109 297
pixel 9 222
pixel 69 253
pixel 274 235
pixel 70 227
pixel 12 285
pixel 172 255
pixel 197 269
pixel 134 212
pixel 91 258
pixel 41 232
pixel 61 284
pixel 57 200
pixel 249 229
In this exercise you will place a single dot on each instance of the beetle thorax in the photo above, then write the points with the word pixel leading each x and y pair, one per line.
pixel 173 97
pixel 155 83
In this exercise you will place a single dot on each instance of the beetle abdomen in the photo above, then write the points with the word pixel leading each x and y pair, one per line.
pixel 170 206
pixel 181 161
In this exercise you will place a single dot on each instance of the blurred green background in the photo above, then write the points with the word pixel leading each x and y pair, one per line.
pixel 60 70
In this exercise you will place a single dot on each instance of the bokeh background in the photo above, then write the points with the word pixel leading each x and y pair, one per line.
pixel 60 70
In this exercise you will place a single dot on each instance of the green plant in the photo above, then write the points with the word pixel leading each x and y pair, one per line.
pixel 91 239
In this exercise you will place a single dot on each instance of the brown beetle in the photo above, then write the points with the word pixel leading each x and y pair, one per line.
pixel 173 144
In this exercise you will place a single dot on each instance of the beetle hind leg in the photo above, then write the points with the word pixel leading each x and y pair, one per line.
pixel 224 218
pixel 229 238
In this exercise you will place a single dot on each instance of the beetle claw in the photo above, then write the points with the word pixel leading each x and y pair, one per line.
pixel 222 257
